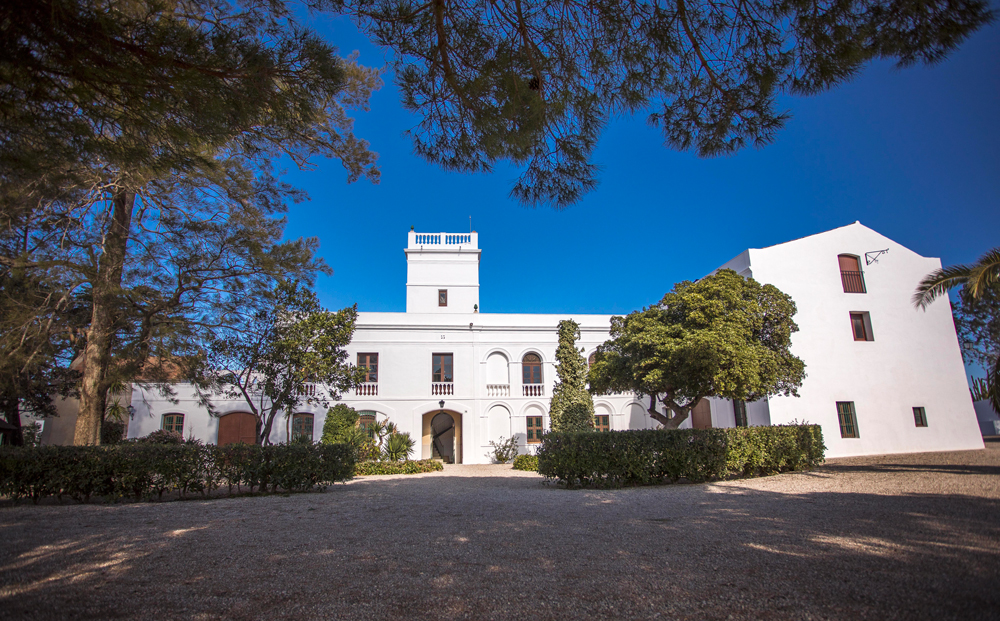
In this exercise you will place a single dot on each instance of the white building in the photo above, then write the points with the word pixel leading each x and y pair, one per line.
pixel 457 379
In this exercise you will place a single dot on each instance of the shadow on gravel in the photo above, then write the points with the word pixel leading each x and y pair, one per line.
pixel 834 468
pixel 461 547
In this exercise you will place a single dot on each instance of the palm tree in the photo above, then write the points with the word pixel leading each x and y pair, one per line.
pixel 974 279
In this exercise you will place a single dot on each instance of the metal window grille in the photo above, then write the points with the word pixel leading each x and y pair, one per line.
pixel 848 419
pixel 920 417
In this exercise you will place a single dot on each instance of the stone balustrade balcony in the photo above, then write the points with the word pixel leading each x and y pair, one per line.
pixel 497 390
pixel 367 389
pixel 533 390
pixel 442 388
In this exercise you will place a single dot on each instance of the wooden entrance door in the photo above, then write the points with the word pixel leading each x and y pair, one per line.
pixel 238 428
pixel 701 415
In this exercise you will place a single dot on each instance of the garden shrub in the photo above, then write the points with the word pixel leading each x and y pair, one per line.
pixel 401 467
pixel 526 462
pixel 504 450
pixel 112 432
pixel 146 470
pixel 646 457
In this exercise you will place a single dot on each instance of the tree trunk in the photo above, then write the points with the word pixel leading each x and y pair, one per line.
pixel 680 413
pixel 97 353
pixel 12 413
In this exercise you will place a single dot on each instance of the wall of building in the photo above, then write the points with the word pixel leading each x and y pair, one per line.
pixel 913 360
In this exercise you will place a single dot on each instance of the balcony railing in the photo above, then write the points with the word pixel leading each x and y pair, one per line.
pixel 533 390
pixel 367 389
pixel 854 282
pixel 497 390
pixel 442 388
pixel 306 390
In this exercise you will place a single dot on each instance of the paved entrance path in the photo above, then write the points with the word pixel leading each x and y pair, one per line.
pixel 906 537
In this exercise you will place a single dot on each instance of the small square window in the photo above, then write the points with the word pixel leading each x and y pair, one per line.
pixel 861 326
pixel 534 429
pixel 920 417
pixel 602 422
pixel 174 423
pixel 848 420
pixel 442 297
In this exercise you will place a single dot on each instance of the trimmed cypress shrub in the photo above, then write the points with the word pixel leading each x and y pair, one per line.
pixel 649 457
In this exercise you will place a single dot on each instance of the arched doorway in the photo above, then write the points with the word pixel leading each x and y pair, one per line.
pixel 442 436
pixel 237 428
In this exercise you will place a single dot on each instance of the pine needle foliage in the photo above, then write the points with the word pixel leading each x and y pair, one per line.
pixel 572 407
pixel 534 82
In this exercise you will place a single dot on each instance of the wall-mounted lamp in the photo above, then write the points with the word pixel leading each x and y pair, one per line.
pixel 441 403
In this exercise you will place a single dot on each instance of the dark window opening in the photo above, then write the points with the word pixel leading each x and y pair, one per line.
pixel 920 417
pixel 848 420
pixel 442 297
pixel 740 410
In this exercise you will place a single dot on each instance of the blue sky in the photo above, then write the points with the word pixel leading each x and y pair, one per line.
pixel 913 154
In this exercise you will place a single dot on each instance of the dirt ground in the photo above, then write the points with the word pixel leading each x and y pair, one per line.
pixel 888 537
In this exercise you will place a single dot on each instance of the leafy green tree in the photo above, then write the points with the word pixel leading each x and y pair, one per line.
pixel 286 342
pixel 722 336
pixel 534 82
pixel 117 115
pixel 572 407
pixel 977 312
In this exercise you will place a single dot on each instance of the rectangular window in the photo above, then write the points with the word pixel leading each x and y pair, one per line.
pixel 302 427
pixel 740 410
pixel 174 422
pixel 602 422
pixel 534 429
pixel 850 274
pixel 369 362
pixel 441 368
pixel 848 421
pixel 366 422
pixel 920 417
pixel 861 326
pixel 442 297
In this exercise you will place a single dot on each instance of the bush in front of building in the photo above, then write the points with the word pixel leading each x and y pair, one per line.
pixel 143 471
pixel 397 467
pixel 649 457
pixel 526 462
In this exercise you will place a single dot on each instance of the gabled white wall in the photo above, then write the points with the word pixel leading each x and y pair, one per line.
pixel 914 359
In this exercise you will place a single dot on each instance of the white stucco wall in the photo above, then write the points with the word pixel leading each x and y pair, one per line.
pixel 914 359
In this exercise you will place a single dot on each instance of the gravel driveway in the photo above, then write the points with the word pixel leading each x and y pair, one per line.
pixel 890 537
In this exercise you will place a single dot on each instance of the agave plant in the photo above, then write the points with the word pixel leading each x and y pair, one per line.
pixel 398 447
pixel 974 279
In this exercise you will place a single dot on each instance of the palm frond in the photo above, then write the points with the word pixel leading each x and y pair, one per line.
pixel 976 278
pixel 938 282
pixel 985 273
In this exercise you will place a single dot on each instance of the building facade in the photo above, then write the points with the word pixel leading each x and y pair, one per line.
pixel 882 377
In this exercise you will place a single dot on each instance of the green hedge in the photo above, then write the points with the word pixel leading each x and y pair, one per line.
pixel 397 467
pixel 146 470
pixel 526 462
pixel 647 457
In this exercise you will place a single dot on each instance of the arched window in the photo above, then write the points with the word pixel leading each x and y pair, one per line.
pixel 592 359
pixel 366 420
pixel 850 273
pixel 531 369
pixel 174 422
pixel 302 427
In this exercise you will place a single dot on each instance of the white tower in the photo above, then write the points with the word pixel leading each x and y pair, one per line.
pixel 442 272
